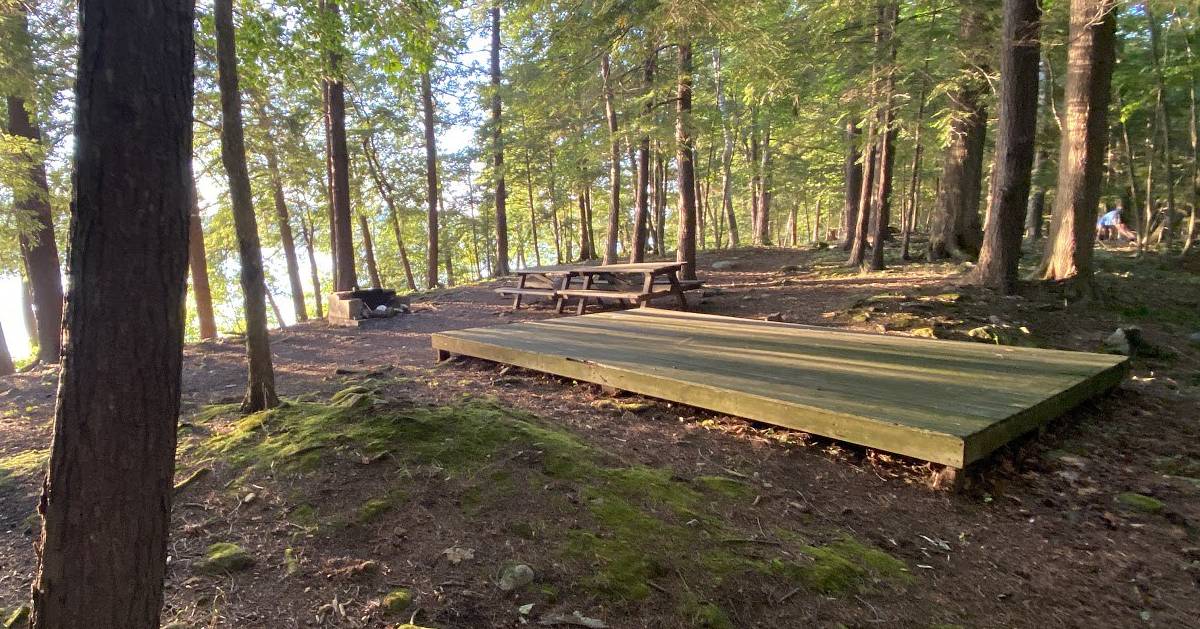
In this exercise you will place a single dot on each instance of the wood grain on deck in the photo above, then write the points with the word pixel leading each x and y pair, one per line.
pixel 942 401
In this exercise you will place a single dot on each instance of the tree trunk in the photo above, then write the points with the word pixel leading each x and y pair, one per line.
pixel 614 206
pixel 388 193
pixel 260 388
pixel 282 219
pixel 431 181
pixel 854 176
pixel 38 249
pixel 6 362
pixel 686 177
pixel 889 14
pixel 957 232
pixel 345 274
pixel 306 230
pixel 198 260
pixel 1015 137
pixel 660 206
pixel 762 228
pixel 533 219
pixel 555 223
pixel 27 315
pixel 1036 209
pixel 369 248
pixel 274 306
pixel 726 156
pixel 1090 61
pixel 330 214
pixel 106 502
pixel 862 217
pixel 641 213
pixel 1194 136
pixel 498 150
pixel 1164 122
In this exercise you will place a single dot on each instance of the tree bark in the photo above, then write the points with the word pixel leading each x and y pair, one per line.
pixel 957 231
pixel 345 274
pixel 1090 61
pixel 198 261
pixel 726 156
pixel 282 218
pixel 498 149
pixel 388 193
pixel 260 387
pixel 106 502
pixel 38 248
pixel 1194 137
pixel 762 227
pixel 364 229
pixel 1164 122
pixel 6 362
pixel 614 206
pixel 27 315
pixel 686 177
pixel 880 218
pixel 641 213
pixel 1015 136
pixel 431 181
pixel 862 218
pixel 306 229
pixel 853 176
pixel 1036 210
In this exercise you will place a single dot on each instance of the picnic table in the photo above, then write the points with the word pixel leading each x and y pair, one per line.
pixel 636 283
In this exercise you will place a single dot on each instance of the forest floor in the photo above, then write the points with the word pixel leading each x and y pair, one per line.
pixel 390 489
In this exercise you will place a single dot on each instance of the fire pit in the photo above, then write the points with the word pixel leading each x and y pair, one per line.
pixel 353 307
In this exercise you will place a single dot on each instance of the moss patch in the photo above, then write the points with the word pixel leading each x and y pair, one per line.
pixel 23 464
pixel 725 486
pixel 1140 502
pixel 843 567
pixel 396 601
pixel 224 557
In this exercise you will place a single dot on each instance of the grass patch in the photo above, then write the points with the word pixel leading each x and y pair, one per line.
pixel 22 464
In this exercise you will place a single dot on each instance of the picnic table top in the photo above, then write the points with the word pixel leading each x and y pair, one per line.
pixel 640 267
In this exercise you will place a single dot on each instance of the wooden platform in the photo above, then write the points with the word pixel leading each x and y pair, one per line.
pixel 943 401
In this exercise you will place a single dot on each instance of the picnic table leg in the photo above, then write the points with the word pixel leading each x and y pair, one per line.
pixel 647 288
pixel 678 290
pixel 565 284
pixel 587 283
pixel 517 298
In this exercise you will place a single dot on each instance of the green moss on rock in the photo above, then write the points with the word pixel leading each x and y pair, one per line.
pixel 1140 502
pixel 396 601
pixel 224 557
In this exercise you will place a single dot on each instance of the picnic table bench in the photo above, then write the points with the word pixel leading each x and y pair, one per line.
pixel 636 283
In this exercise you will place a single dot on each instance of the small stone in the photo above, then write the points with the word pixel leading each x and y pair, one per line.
pixel 457 555
pixel 516 577
pixel 249 498
pixel 1125 340
pixel 1194 338
pixel 774 316
pixel 925 333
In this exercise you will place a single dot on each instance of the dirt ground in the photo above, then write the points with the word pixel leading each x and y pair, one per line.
pixel 1094 522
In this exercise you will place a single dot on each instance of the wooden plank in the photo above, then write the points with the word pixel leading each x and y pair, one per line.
pixel 633 267
pixel 942 401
